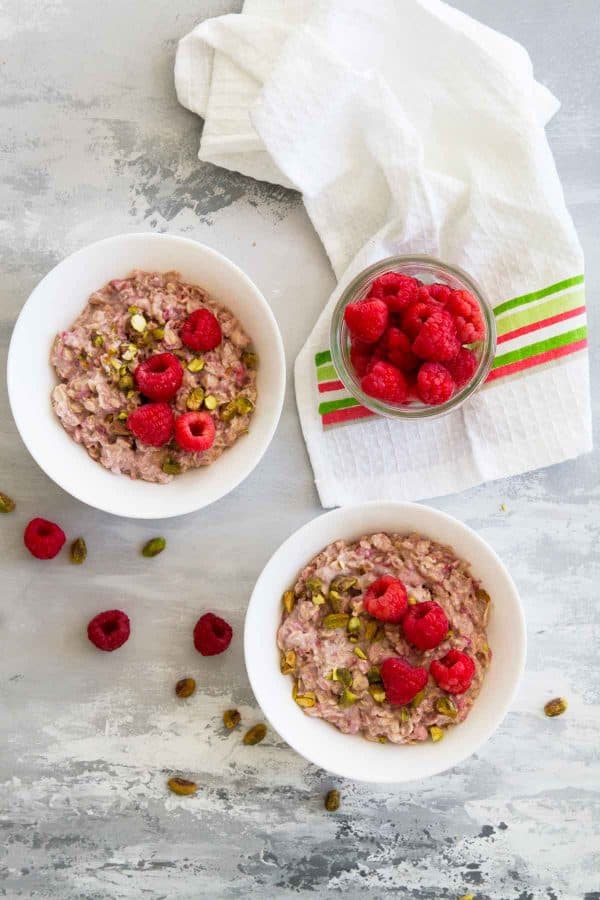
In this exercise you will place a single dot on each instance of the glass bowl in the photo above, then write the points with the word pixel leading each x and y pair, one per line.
pixel 427 270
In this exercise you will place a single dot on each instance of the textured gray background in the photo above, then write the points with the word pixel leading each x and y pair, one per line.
pixel 94 143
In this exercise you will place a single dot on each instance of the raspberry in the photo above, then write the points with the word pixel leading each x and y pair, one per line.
pixel 415 314
pixel 437 340
pixel 386 599
pixel 195 431
pixel 43 539
pixel 462 367
pixel 434 383
pixel 212 635
pixel 201 330
pixel 425 625
pixel 402 682
pixel 152 424
pixel 467 316
pixel 366 320
pixel 439 292
pixel 395 290
pixel 159 377
pixel 360 357
pixel 385 382
pixel 109 629
pixel 396 347
pixel 454 673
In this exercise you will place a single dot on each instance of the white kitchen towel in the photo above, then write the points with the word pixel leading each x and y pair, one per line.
pixel 410 128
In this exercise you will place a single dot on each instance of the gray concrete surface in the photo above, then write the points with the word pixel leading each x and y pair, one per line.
pixel 93 143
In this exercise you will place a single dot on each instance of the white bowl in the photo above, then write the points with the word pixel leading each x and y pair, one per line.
pixel 351 756
pixel 53 306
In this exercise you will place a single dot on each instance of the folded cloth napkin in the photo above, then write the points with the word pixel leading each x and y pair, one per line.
pixel 410 128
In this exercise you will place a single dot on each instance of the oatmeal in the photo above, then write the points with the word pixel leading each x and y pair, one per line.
pixel 129 322
pixel 344 662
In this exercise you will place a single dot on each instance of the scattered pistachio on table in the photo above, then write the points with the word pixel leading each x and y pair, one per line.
pixel 154 546
pixel 332 801
pixel 7 504
pixel 555 707
pixel 255 734
pixel 78 551
pixel 185 687
pixel 182 787
pixel 231 718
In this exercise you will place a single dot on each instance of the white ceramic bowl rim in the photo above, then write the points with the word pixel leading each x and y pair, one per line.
pixel 54 304
pixel 351 756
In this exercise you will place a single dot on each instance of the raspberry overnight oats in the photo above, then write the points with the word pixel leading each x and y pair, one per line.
pixel 155 376
pixel 386 636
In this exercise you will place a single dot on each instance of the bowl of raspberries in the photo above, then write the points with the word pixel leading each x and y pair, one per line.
pixel 412 337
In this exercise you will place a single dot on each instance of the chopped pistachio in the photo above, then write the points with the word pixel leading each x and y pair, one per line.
pixel 482 595
pixel 306 701
pixel 78 551
pixel 404 716
pixel 125 383
pixel 374 676
pixel 227 412
pixel 98 340
pixel 211 402
pixel 158 333
pixel 182 786
pixel 335 601
pixel 412 601
pixel 154 546
pixel 185 687
pixel 7 504
pixel 354 625
pixel 377 693
pixel 196 364
pixel 250 359
pixel 332 801
pixel 344 583
pixel 289 600
pixel 138 323
pixel 231 718
pixel 287 662
pixel 336 620
pixel 371 630
pixel 555 707
pixel 467 897
pixel 122 416
pixel 132 310
pixel 318 599
pixel 344 676
pixel 294 690
pixel 347 698
pixel 418 699
pixel 243 405
pixel 382 739
pixel 446 707
pixel 436 733
pixel 195 399
pixel 171 467
pixel 360 653
pixel 115 363
pixel 255 734
pixel 314 585
pixel 353 638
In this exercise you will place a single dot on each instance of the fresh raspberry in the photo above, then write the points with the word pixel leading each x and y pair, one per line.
pixel 109 630
pixel 439 292
pixel 395 290
pixel 159 377
pixel 462 367
pixel 360 356
pixel 385 382
pixel 212 635
pixel 437 340
pixel 44 539
pixel 151 424
pixel 366 320
pixel 195 431
pixel 397 349
pixel 467 316
pixel 386 599
pixel 415 314
pixel 435 384
pixel 402 682
pixel 425 625
pixel 201 330
pixel 454 673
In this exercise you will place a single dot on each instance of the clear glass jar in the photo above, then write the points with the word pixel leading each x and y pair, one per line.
pixel 427 270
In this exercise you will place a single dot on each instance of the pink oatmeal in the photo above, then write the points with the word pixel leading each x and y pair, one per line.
pixel 327 663
pixel 124 323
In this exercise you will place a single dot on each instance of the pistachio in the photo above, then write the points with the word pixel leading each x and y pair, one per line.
pixel 289 601
pixel 287 662
pixel 130 353
pixel 115 363
pixel 171 467
pixel 314 585
pixel 158 333
pixel 404 717
pixel 227 412
pixel 7 504
pixel 354 625
pixel 412 601
pixel 435 733
pixel 467 897
pixel 374 676
pixel 125 383
pixel 306 701
pixel 360 653
pixel 344 583
pixel 250 359
pixel 371 630
pixel 418 698
pixel 132 310
pixel 255 734
pixel 243 405
pixel 353 638
pixel 347 698
pixel 318 599
pixel 138 323
pixel 344 676
pixel 154 546
pixel 482 595
pixel 196 364
pixel 382 739
pixel 555 707
pixel 231 718
pixel 98 340
pixel 294 690
pixel 182 787
pixel 332 801
pixel 335 601
pixel 377 693
pixel 336 620
pixel 122 416
pixel 78 551
pixel 449 634
pixel 211 402
pixel 195 399
pixel 446 707
pixel 185 687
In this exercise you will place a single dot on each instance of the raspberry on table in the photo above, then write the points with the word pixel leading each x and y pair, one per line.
pixel 425 625
pixel 201 330
pixel 212 635
pixel 195 431
pixel 397 349
pixel 385 382
pixel 454 672
pixel 467 316
pixel 44 539
pixel 366 320
pixel 152 424
pixel 437 339
pixel 416 313
pixel 435 384
pixel 402 682
pixel 462 367
pixel 109 630
pixel 159 377
pixel 386 599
